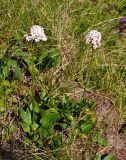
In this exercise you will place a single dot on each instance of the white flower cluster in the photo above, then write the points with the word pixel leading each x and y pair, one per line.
pixel 36 33
pixel 94 37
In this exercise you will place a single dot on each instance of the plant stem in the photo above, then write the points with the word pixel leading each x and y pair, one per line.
pixel 90 67
pixel 33 82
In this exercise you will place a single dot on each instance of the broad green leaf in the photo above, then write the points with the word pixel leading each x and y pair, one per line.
pixel 87 127
pixel 26 127
pixel 43 94
pixel 46 131
pixel 36 108
pixel 34 126
pixel 109 157
pixel 25 116
pixel 10 63
pixel 64 125
pixel 100 139
pixel 49 119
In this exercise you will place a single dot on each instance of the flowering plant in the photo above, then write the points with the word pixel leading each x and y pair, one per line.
pixel 94 37
pixel 36 33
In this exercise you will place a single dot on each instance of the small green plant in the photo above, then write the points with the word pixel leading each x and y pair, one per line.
pixel 107 157
pixel 56 119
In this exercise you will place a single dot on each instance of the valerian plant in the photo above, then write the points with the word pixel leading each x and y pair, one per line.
pixel 36 35
pixel 94 37
pixel 55 120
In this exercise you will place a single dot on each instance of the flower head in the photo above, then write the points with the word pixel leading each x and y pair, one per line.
pixel 123 20
pixel 122 23
pixel 28 37
pixel 36 33
pixel 94 37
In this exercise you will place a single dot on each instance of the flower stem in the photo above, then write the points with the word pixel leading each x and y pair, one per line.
pixel 90 67
pixel 33 83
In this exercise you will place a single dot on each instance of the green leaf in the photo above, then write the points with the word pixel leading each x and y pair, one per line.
pixel 2 105
pixel 57 140
pixel 46 131
pixel 35 137
pixel 100 139
pixel 26 127
pixel 64 125
pixel 34 126
pixel 12 64
pixel 49 119
pixel 40 143
pixel 98 156
pixel 65 100
pixel 82 103
pixel 26 58
pixel 41 58
pixel 109 157
pixel 18 37
pixel 31 107
pixel 87 127
pixel 25 116
pixel 87 117
pixel 36 108
pixel 22 54
pixel 70 117
pixel 43 93
pixel 26 141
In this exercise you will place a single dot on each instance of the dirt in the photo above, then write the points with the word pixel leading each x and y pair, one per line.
pixel 13 150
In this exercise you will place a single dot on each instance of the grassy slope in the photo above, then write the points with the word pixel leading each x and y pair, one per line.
pixel 66 24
